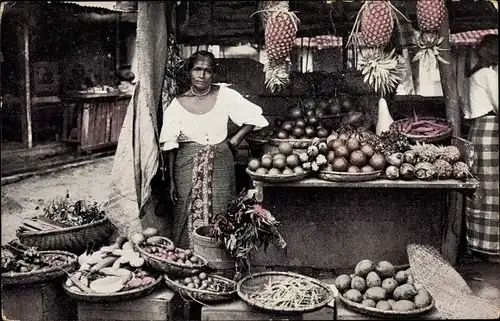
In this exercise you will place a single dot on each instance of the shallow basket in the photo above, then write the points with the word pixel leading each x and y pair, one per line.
pixel 42 275
pixel 169 267
pixel 282 178
pixel 114 297
pixel 302 143
pixel 74 239
pixel 374 312
pixel 255 283
pixel 202 295
pixel 348 177
pixel 423 138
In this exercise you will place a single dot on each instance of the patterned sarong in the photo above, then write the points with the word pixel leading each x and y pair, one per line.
pixel 482 213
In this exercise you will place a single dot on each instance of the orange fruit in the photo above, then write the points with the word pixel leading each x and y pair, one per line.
pixel 253 164
pixel 285 148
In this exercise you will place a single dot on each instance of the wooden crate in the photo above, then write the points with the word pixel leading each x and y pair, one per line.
pixel 342 313
pixel 161 305
pixel 37 302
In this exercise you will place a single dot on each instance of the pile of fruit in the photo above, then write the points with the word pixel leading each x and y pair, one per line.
pixel 203 281
pixel 172 254
pixel 111 269
pixel 351 155
pixel 427 162
pixel 31 260
pixel 285 162
pixel 301 128
pixel 381 287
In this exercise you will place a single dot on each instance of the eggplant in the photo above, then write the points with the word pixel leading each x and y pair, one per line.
pixel 392 172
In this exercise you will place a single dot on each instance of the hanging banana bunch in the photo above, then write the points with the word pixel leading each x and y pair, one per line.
pixel 430 18
pixel 281 28
pixel 372 31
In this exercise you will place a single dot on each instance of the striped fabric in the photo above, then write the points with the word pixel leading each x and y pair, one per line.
pixel 328 41
pixel 482 213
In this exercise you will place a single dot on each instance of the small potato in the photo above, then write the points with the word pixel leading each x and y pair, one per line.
pixel 188 253
pixel 193 259
pixel 182 256
pixel 188 280
pixel 190 285
pixel 180 261
pixel 202 276
pixel 188 263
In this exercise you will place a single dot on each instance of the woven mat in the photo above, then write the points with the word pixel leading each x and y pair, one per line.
pixel 454 298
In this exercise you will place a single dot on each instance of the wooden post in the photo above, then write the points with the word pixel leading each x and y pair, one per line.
pixel 448 80
pixel 25 91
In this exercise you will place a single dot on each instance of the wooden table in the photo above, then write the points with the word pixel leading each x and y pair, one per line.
pixel 333 225
pixel 93 121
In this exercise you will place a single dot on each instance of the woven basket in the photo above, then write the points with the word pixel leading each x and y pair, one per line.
pixel 114 297
pixel 423 138
pixel 282 178
pixel 302 143
pixel 454 299
pixel 256 282
pixel 374 312
pixel 170 267
pixel 348 177
pixel 202 295
pixel 73 239
pixel 42 275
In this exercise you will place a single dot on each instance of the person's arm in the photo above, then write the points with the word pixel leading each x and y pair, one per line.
pixel 235 141
pixel 492 89
pixel 171 155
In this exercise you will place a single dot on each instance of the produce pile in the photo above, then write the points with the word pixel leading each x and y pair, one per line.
pixel 289 293
pixel 419 126
pixel 204 281
pixel 31 260
pixel 427 162
pixel 381 287
pixel 112 269
pixel 62 213
pixel 169 252
pixel 285 162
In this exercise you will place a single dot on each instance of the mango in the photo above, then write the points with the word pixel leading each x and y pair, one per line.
pixel 383 305
pixel 376 293
pixel 364 267
pixel 389 285
pixel 372 280
pixel 369 303
pixel 353 295
pixel 358 283
pixel 403 305
pixel 401 277
pixel 422 299
pixel 343 283
pixel 385 269
pixel 404 292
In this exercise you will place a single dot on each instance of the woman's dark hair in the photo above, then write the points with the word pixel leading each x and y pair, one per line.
pixel 487 53
pixel 201 55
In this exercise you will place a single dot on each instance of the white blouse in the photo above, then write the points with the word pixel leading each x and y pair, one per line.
pixel 180 125
pixel 483 93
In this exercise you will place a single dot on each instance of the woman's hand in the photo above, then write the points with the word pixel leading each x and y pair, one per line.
pixel 233 146
pixel 173 192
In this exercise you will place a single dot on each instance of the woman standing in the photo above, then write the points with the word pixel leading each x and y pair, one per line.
pixel 483 222
pixel 199 152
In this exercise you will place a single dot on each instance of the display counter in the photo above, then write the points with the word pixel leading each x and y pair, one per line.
pixel 331 225
pixel 93 121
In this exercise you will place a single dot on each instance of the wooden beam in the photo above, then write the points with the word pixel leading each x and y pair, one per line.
pixel 449 81
pixel 25 90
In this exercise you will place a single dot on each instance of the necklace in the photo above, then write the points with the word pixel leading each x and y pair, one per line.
pixel 203 94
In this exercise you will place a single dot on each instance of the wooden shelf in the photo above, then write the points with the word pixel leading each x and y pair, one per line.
pixel 379 183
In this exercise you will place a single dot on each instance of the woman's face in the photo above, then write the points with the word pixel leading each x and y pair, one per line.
pixel 201 75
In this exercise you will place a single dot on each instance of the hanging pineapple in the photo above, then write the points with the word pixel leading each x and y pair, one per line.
pixel 281 28
pixel 430 18
pixel 375 23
